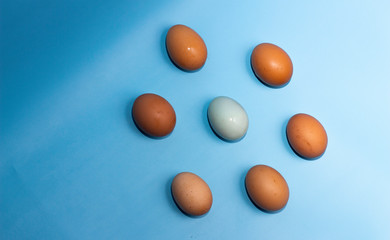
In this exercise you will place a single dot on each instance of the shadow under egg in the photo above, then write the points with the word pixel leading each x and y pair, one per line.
pixel 169 195
pixel 129 115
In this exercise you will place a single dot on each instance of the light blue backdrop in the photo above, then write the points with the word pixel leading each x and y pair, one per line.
pixel 74 166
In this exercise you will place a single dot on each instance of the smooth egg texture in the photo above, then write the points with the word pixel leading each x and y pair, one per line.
pixel 271 64
pixel 267 188
pixel 227 118
pixel 154 115
pixel 186 48
pixel 191 194
pixel 306 136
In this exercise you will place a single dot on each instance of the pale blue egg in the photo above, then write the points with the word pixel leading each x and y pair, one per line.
pixel 228 118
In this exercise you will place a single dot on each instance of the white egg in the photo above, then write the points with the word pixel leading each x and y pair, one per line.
pixel 227 118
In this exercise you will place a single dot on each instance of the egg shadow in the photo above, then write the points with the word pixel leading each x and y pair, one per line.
pixel 132 124
pixel 205 119
pixel 248 64
pixel 252 72
pixel 243 187
pixel 244 191
pixel 129 116
pixel 172 199
pixel 287 143
pixel 164 50
pixel 208 125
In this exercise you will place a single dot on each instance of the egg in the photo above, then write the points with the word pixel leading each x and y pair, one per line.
pixel 227 118
pixel 186 48
pixel 306 136
pixel 271 65
pixel 154 115
pixel 267 188
pixel 191 194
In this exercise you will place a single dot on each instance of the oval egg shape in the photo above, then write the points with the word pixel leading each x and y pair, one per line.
pixel 267 188
pixel 271 65
pixel 191 194
pixel 186 48
pixel 306 136
pixel 227 118
pixel 153 115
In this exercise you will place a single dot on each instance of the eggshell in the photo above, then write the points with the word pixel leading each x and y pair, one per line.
pixel 271 64
pixel 306 136
pixel 267 188
pixel 227 118
pixel 191 194
pixel 186 48
pixel 154 115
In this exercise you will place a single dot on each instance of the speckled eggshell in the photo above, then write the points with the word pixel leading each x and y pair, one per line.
pixel 186 48
pixel 227 118
pixel 267 188
pixel 191 194
pixel 306 136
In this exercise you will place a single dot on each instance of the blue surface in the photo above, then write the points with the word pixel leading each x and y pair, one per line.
pixel 74 166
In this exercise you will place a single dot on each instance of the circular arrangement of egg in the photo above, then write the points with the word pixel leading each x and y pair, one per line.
pixel 265 186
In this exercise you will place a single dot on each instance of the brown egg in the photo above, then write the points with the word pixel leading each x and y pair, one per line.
pixel 267 188
pixel 154 115
pixel 306 136
pixel 186 48
pixel 191 194
pixel 271 64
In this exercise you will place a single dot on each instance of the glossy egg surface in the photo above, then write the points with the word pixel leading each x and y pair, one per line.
pixel 227 118
pixel 271 65
pixel 186 48
pixel 267 188
pixel 154 115
pixel 306 136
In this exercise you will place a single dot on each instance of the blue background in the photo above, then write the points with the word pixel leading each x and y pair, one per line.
pixel 74 166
